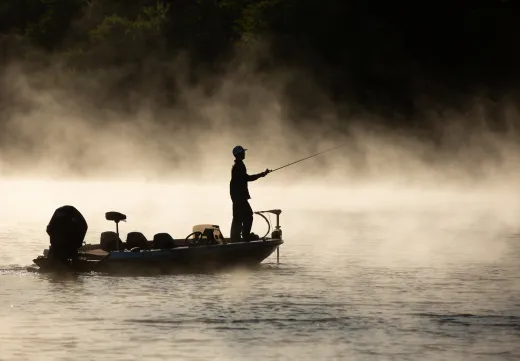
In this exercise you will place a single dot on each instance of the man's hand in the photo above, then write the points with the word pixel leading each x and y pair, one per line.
pixel 266 172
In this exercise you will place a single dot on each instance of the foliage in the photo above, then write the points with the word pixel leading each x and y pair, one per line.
pixel 363 50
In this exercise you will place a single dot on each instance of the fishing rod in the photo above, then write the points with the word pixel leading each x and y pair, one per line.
pixel 328 150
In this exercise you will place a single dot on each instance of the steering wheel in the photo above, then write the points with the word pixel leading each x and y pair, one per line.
pixel 197 234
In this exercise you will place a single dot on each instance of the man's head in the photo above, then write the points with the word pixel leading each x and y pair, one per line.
pixel 239 152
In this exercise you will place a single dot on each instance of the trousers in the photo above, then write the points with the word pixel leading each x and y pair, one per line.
pixel 242 220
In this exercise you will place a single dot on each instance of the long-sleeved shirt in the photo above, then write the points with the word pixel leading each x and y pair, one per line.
pixel 239 178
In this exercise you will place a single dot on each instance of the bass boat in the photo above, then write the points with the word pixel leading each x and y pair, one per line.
pixel 203 250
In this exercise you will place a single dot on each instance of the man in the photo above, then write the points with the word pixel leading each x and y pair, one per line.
pixel 242 212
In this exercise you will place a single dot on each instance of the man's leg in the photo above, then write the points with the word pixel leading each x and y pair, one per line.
pixel 236 223
pixel 247 219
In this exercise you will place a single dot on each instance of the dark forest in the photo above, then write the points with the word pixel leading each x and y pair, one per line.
pixel 391 58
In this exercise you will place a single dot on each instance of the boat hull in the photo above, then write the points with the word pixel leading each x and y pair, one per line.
pixel 176 260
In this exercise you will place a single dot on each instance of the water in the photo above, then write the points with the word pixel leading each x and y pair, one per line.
pixel 363 276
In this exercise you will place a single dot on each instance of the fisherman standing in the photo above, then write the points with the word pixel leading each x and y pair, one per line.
pixel 242 212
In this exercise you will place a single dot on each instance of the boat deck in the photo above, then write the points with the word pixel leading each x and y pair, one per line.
pixel 96 252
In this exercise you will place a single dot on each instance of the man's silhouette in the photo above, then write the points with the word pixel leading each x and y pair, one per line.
pixel 242 212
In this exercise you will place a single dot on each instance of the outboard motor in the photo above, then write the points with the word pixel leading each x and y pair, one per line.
pixel 66 229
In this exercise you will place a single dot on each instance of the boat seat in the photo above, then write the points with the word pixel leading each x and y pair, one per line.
pixel 136 239
pixel 163 241
pixel 115 216
pixel 109 240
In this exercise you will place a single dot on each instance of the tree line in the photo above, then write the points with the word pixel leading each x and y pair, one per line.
pixel 378 54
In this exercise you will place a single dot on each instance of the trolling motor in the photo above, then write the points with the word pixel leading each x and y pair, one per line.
pixel 277 232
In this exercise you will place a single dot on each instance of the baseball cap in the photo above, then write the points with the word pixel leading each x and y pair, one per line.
pixel 238 149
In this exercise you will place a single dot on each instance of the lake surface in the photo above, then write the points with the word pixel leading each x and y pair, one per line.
pixel 364 275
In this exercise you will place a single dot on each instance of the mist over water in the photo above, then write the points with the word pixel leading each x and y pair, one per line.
pixel 396 245
pixel 368 272
pixel 59 124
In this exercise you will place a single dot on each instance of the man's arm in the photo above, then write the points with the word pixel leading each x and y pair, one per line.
pixel 240 173
pixel 251 178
